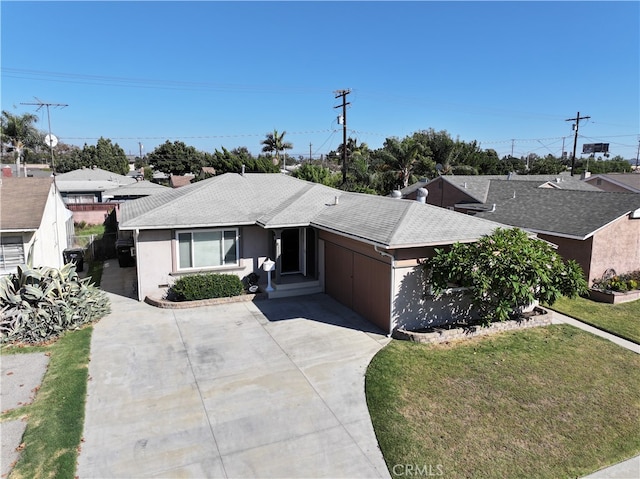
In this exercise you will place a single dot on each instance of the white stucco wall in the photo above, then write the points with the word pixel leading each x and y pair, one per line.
pixel 412 309
pixel 46 245
pixel 156 262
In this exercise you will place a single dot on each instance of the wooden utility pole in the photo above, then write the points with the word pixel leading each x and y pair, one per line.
pixel 575 138
pixel 343 94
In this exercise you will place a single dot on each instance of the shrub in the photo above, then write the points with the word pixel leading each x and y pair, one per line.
pixel 40 304
pixel 206 286
pixel 505 272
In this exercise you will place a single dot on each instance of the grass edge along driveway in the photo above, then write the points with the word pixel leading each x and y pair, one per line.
pixel 546 402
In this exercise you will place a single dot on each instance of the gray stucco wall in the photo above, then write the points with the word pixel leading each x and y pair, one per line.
pixel 157 265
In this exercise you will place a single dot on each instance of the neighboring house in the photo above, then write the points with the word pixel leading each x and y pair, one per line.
pixel 35 225
pixel 178 181
pixel 621 182
pixel 87 185
pixel 448 190
pixel 600 230
pixel 362 250
pixel 133 191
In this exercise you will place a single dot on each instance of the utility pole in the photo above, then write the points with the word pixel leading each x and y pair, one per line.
pixel 40 104
pixel 638 157
pixel 575 138
pixel 343 94
pixel 309 152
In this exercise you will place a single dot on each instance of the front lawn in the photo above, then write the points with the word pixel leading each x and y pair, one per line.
pixel 546 402
pixel 620 319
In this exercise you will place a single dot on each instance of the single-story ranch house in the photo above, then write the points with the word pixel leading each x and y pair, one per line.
pixel 362 250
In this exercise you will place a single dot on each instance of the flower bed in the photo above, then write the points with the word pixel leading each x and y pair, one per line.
pixel 459 331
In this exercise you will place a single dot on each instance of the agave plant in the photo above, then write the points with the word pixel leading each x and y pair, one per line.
pixel 39 304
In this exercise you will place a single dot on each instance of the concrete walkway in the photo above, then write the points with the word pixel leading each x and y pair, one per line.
pixel 267 389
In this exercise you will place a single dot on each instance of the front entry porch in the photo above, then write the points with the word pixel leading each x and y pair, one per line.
pixel 295 252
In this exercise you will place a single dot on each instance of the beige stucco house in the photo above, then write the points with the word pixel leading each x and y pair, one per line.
pixel 362 250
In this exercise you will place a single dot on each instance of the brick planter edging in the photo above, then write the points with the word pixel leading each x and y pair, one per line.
pixel 445 335
pixel 166 304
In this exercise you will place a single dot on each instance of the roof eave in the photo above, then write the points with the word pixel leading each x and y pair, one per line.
pixel 187 226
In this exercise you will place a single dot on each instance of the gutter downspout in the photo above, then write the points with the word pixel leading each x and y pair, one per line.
pixel 393 282
pixel 136 232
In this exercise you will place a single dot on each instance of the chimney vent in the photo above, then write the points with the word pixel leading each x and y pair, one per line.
pixel 421 195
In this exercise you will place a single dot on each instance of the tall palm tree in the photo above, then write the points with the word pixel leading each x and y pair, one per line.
pixel 19 132
pixel 402 157
pixel 274 142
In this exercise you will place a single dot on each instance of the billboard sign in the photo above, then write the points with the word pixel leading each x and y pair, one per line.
pixel 588 148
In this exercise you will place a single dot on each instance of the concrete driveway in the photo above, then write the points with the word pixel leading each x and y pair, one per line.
pixel 267 389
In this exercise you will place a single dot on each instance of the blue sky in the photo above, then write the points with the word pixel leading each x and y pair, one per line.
pixel 223 74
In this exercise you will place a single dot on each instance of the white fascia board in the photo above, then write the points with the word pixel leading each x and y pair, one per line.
pixel 182 227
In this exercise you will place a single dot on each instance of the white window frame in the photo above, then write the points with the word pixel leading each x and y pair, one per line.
pixel 222 264
pixel 13 247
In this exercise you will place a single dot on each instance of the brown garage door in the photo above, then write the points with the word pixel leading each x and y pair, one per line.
pixel 359 282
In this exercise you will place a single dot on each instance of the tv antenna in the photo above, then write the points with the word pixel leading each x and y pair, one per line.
pixel 50 139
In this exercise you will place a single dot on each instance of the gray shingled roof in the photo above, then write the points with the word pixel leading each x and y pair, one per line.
pixel 400 223
pixel 478 186
pixel 22 202
pixel 274 200
pixel 95 174
pixel 139 188
pixel 563 212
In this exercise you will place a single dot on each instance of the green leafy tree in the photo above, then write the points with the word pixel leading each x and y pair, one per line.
pixel 231 161
pixel 317 174
pixel 274 142
pixel 176 158
pixel 105 155
pixel 69 161
pixel 549 165
pixel 505 272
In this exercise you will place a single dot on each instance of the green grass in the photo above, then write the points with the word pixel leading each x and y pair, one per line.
pixel 546 402
pixel 620 319
pixel 89 230
pixel 95 272
pixel 55 418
